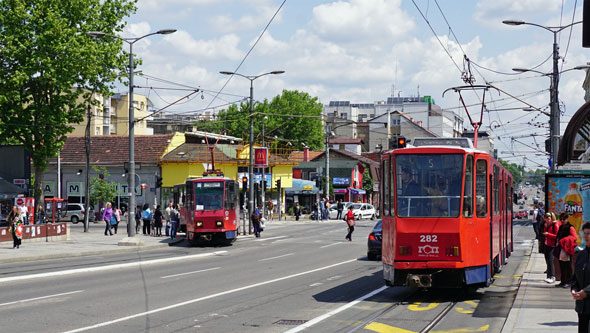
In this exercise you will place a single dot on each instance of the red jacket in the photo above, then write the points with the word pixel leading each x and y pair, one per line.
pixel 569 243
pixel 551 230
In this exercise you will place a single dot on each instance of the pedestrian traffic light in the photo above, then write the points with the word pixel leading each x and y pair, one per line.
pixel 158 181
pixel 244 183
pixel 278 183
pixel 548 145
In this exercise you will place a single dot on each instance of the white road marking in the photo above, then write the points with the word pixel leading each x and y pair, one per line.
pixel 335 311
pixel 316 284
pixel 325 246
pixel 271 258
pixel 42 297
pixel 108 267
pixel 202 270
pixel 177 305
pixel 270 238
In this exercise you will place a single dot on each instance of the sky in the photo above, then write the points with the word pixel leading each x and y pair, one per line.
pixel 364 51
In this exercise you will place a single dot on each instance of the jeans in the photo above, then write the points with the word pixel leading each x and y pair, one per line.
pixel 115 226
pixel 168 228
pixel 350 231
pixel 256 226
pixel 536 229
pixel 173 229
pixel 146 227
pixel 339 217
pixel 549 261
pixel 107 228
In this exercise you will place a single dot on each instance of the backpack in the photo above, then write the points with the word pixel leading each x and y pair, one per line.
pixel 540 215
pixel 146 215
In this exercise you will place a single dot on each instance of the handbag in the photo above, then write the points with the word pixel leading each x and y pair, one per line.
pixel 351 223
pixel 563 256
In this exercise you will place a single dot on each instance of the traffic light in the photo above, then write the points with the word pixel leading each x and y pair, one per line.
pixel 401 142
pixel 244 183
pixel 278 183
pixel 548 145
pixel 158 181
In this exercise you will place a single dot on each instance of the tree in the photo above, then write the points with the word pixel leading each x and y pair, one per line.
pixel 516 170
pixel 49 69
pixel 298 109
pixel 368 181
pixel 100 189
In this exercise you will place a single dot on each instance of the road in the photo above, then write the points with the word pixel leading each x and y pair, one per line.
pixel 296 274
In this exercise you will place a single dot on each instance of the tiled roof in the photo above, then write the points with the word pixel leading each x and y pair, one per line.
pixel 346 141
pixel 297 156
pixel 114 149
pixel 195 152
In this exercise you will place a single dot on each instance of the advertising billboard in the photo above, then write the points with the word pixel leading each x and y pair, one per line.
pixel 569 193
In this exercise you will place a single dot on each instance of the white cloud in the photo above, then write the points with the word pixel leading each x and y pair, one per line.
pixel 225 47
pixel 255 21
pixel 361 21
pixel 492 12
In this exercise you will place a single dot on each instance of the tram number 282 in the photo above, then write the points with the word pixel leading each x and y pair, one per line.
pixel 428 238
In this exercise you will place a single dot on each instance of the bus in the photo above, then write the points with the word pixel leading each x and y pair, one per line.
pixel 209 209
pixel 447 215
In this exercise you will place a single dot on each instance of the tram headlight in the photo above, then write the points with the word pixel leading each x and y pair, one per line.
pixel 219 223
pixel 199 224
pixel 453 251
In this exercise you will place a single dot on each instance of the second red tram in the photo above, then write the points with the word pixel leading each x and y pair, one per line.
pixel 447 215
pixel 209 209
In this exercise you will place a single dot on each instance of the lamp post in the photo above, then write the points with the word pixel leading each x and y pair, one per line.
pixel 131 173
pixel 251 141
pixel 264 170
pixel 554 131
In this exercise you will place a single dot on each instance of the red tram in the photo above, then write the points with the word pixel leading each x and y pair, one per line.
pixel 209 209
pixel 447 215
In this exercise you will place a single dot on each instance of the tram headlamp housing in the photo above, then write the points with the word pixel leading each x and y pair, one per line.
pixel 199 224
pixel 219 223
pixel 405 250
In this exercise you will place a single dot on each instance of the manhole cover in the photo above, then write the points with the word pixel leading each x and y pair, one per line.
pixel 290 322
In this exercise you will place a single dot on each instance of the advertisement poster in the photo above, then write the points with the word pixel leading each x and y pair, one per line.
pixel 570 194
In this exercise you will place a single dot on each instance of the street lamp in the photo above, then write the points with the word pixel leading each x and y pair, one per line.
pixel 554 114
pixel 131 173
pixel 251 141
pixel 554 121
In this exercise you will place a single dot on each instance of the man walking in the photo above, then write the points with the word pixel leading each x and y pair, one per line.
pixel 167 218
pixel 340 208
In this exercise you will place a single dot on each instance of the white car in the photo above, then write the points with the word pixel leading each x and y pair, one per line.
pixel 333 214
pixel 363 211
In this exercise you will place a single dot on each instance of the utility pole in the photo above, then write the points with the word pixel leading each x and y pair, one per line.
pixel 87 143
pixel 327 173
pixel 554 126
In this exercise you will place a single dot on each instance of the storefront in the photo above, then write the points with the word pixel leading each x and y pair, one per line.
pixel 303 191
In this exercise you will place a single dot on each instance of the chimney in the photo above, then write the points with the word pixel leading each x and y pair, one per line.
pixel 305 154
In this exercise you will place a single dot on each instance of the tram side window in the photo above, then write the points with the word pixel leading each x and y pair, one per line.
pixel 481 188
pixel 385 180
pixel 391 195
pixel 468 192
pixel 496 189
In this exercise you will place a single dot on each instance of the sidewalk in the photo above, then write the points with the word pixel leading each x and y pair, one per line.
pixel 81 243
pixel 540 307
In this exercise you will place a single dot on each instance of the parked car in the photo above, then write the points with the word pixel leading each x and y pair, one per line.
pixel 521 215
pixel 75 213
pixel 374 242
pixel 363 211
pixel 334 211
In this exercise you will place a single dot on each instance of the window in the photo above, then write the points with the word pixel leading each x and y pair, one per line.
pixel 208 195
pixel 429 185
pixel 496 189
pixel 468 189
pixel 391 187
pixel 481 188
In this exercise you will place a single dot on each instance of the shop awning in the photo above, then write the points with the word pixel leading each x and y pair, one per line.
pixel 9 190
pixel 301 186
pixel 357 191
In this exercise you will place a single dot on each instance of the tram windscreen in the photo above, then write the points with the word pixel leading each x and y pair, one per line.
pixel 428 185
pixel 208 195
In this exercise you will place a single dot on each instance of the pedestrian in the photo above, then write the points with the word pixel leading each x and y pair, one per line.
pixel 550 234
pixel 117 218
pixel 339 208
pixel 537 218
pixel 256 221
pixel 158 222
pixel 580 288
pixel 107 213
pixel 24 214
pixel 167 217
pixel 137 218
pixel 314 214
pixel 270 206
pixel 323 209
pixel 146 217
pixel 297 211
pixel 328 205
pixel 350 222
pixel 175 218
pixel 41 216
pixel 15 226
pixel 565 246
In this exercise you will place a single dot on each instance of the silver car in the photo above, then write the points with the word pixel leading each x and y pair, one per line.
pixel 75 213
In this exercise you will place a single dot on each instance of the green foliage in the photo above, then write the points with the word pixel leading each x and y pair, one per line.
pixel 100 189
pixel 516 170
pixel 368 181
pixel 292 117
pixel 49 66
